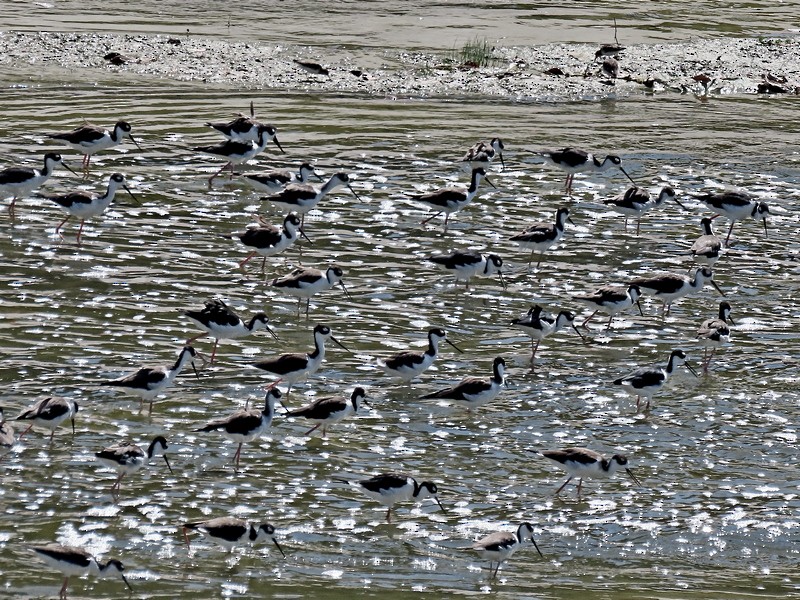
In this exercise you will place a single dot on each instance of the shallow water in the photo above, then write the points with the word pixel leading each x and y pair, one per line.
pixel 716 516
pixel 439 25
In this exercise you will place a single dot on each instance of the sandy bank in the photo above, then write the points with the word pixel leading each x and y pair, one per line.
pixel 735 66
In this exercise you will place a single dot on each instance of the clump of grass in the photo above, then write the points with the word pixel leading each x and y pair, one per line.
pixel 475 53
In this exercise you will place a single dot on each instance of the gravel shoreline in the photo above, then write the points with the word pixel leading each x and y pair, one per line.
pixel 734 65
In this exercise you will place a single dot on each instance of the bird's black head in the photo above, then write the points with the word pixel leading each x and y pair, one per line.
pixel 499 361
pixel 343 177
pixel 614 159
pixel 292 218
pixel 431 487
pixel 437 332
pixel 261 318
pixel 160 440
pixel 495 260
pixel 322 329
pixel 620 459
pixel 267 528
pixel 123 126
pixel 190 350
pixel 53 156
pixel 359 393
pixel 118 178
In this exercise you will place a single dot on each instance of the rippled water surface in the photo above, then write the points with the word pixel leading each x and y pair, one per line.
pixel 412 24
pixel 717 514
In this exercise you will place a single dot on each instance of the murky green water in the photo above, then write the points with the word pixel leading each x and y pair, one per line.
pixel 717 517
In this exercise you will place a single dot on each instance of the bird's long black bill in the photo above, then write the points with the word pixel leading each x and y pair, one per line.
pixel 628 176
pixel 125 579
pixel 346 293
pixel 135 199
pixel 194 368
pixel 489 181
pixel 502 162
pixel 766 234
pixel 633 477
pixel 716 287
pixel 271 332
pixel 350 187
pixel 535 545
pixel 169 466
pixel 579 333
pixel 678 202
pixel 502 280
pixel 639 306
pixel 440 504
pixel 308 239
pixel 453 345
pixel 340 344
pixel 68 168
pixel 137 145
pixel 278 546
pixel 278 144
pixel 688 366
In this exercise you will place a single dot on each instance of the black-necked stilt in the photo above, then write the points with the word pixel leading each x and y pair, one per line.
pixel 575 161
pixel 222 323
pixel 239 152
pixel 90 139
pixel 669 287
pixel 608 50
pixel 390 488
pixel 311 67
pixel 469 264
pixel 149 382
pixel 587 464
pixel 450 200
pixel 49 413
pixel 473 392
pixel 735 206
pixel 610 67
pixel 267 240
pixel 75 561
pixel 306 282
pixel 85 205
pixel 540 237
pixel 643 383
pixel 636 201
pixel 409 364
pixel 302 198
pixel 611 300
pixel 707 249
pixel 128 458
pixel 246 425
pixel 327 411
pixel 483 153
pixel 240 129
pixel 230 532
pixel 274 181
pixel 293 367
pixel 20 181
pixel 7 438
pixel 713 333
pixel 538 326
pixel 500 545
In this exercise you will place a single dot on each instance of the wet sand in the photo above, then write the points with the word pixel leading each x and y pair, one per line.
pixel 553 72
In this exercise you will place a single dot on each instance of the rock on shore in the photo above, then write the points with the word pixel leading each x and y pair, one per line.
pixel 556 72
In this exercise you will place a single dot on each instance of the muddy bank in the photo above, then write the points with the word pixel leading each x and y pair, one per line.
pixel 554 72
